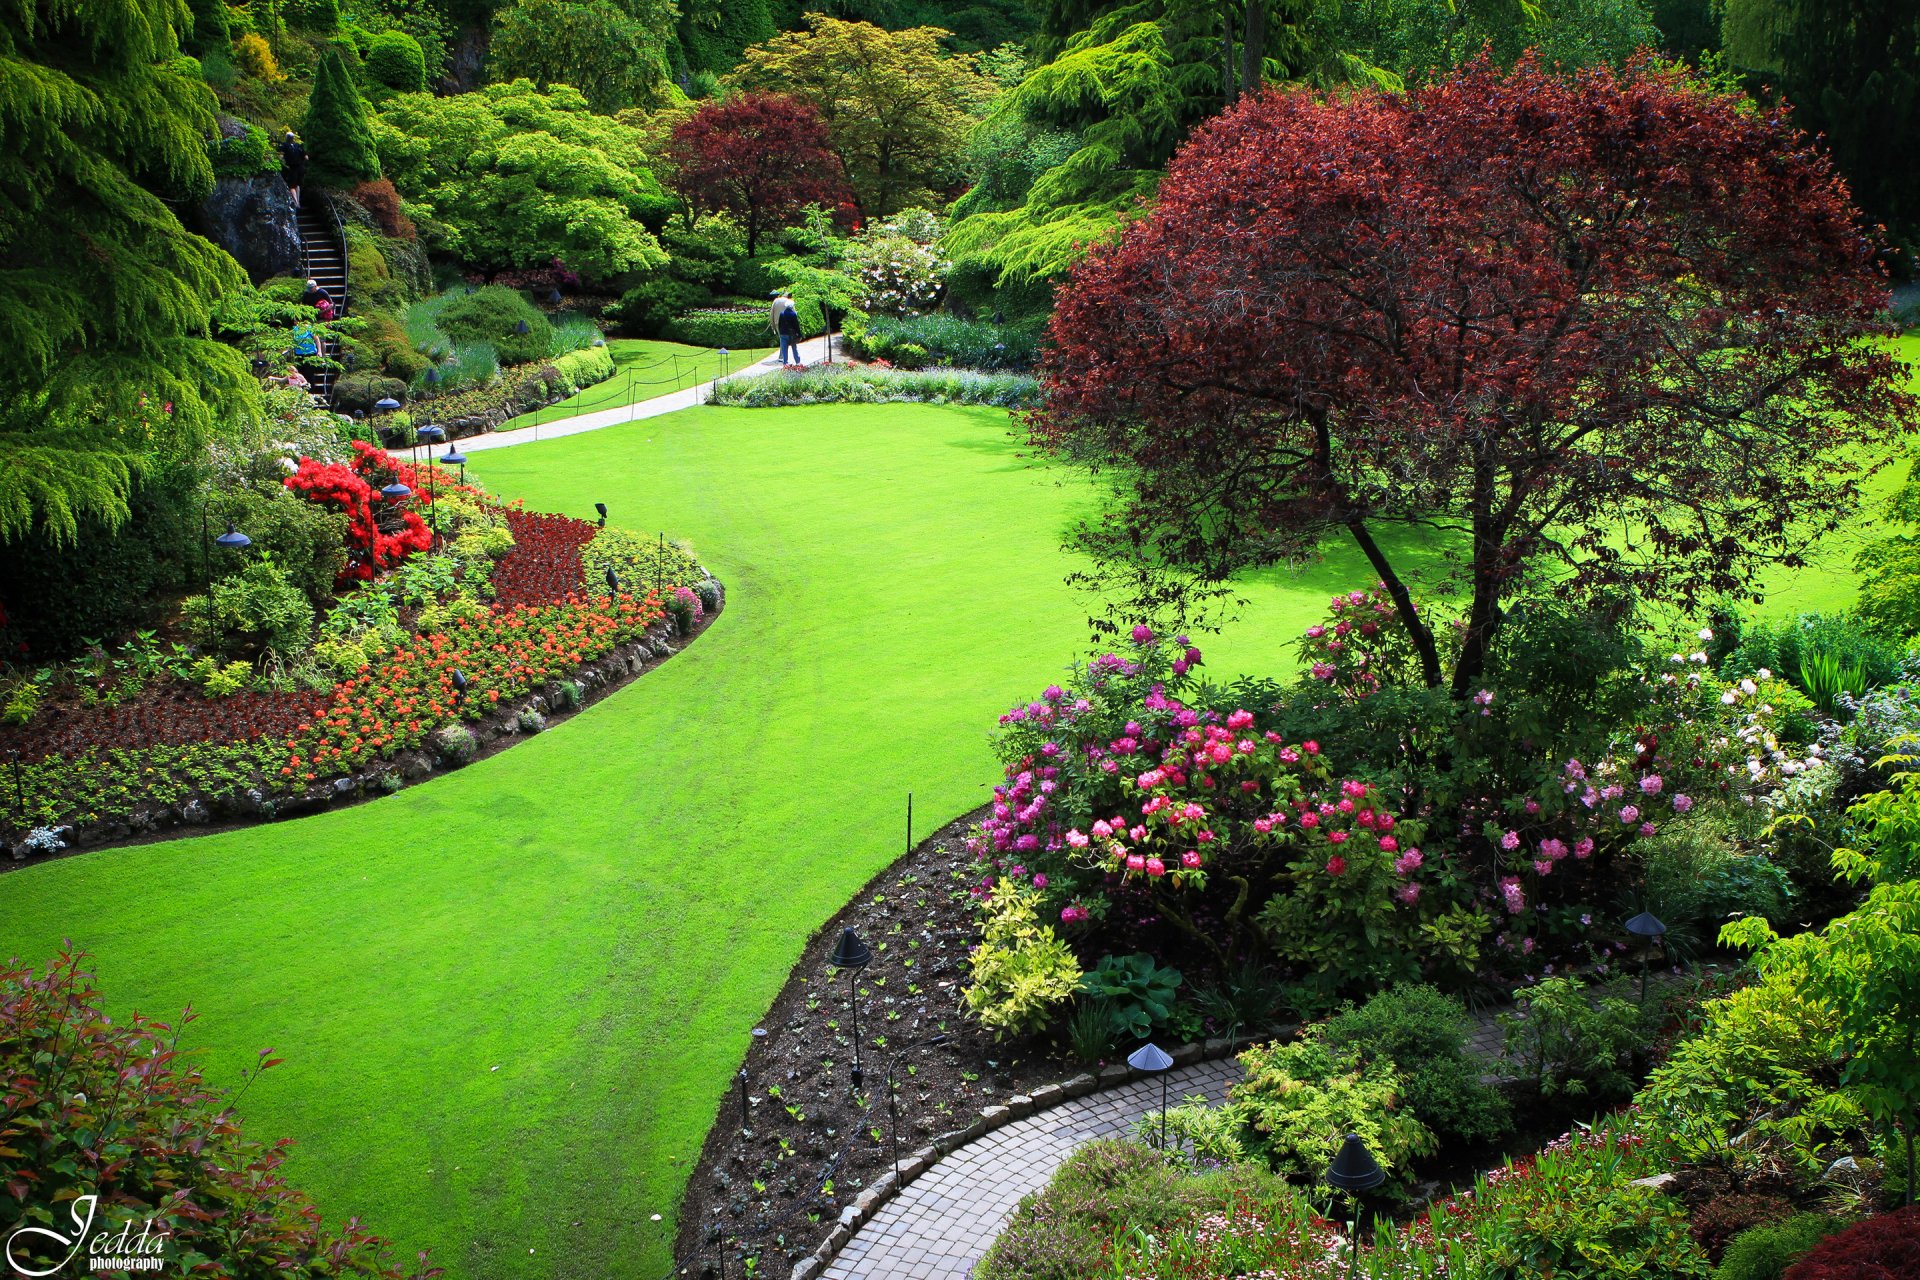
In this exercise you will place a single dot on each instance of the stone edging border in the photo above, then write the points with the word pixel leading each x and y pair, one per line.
pixel 1018 1107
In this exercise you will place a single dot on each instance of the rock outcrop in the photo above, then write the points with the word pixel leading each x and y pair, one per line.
pixel 254 220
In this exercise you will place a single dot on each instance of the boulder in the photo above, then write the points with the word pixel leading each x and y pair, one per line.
pixel 254 220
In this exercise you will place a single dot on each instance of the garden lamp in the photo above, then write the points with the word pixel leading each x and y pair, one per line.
pixel 1650 929
pixel 259 366
pixel 1354 1170
pixel 520 327
pixel 431 434
pixel 459 686
pixel 893 1110
pixel 395 491
pixel 852 955
pixel 613 582
pixel 601 507
pixel 385 404
pixel 456 458
pixel 433 377
pixel 1153 1060
pixel 350 360
pixel 553 296
pixel 233 539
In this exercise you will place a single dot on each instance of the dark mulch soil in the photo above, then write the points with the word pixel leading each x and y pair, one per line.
pixel 773 1190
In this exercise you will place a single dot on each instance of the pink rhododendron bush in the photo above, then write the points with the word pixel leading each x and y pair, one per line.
pixel 1358 828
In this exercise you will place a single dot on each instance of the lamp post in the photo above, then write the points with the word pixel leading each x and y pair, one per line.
pixel 459 688
pixel 385 404
pixel 1354 1170
pixel 431 435
pixel 613 583
pixel 392 493
pixel 231 540
pixel 893 1109
pixel 1649 928
pixel 1153 1060
pixel 456 458
pixel 851 955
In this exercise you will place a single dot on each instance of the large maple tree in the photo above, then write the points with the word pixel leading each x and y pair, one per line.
pixel 763 157
pixel 1610 331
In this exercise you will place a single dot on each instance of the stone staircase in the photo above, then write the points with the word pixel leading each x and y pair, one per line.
pixel 325 259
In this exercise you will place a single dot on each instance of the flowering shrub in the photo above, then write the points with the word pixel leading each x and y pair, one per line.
pixel 378 536
pixel 99 1106
pixel 1249 1236
pixel 898 266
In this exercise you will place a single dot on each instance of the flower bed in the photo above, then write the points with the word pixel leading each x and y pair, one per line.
pixel 441 695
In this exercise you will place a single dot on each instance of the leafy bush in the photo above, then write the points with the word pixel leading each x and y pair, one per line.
pixel 1298 1101
pixel 262 604
pixel 363 389
pixel 738 328
pixel 571 333
pixel 846 385
pixel 584 367
pixel 1825 654
pixel 1723 1217
pixel 1886 1247
pixel 394 59
pixel 245 154
pixel 1136 991
pixel 646 310
pixel 1022 971
pixel 899 269
pixel 105 1106
pixel 1697 877
pixel 254 56
pixel 1766 1251
pixel 382 204
pixel 642 564
pixel 948 340
pixel 1102 1190
pixel 1568 1043
pixel 1424 1035
pixel 495 315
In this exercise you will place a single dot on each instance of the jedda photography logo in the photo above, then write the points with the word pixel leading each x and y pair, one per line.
pixel 37 1252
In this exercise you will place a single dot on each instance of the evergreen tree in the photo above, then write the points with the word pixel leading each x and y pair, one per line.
pixel 105 299
pixel 338 141
pixel 614 53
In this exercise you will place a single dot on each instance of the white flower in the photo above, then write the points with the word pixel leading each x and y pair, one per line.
pixel 1764 674
pixel 1706 633
pixel 1729 697
pixel 1700 658
pixel 1748 686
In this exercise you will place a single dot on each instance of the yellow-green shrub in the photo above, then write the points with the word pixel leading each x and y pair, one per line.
pixel 1022 970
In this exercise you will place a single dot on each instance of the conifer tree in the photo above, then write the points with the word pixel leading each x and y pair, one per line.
pixel 338 141
pixel 105 299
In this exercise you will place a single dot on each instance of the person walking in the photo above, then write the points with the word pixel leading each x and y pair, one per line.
pixel 786 323
pixel 293 165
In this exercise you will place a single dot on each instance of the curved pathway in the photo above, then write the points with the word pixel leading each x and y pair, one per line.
pixel 939 1227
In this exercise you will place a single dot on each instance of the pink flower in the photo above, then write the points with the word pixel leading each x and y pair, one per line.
pixel 1629 814
pixel 1647 828
pixel 1408 893
pixel 1239 720
pixel 1389 844
pixel 1073 914
pixel 1408 861
pixel 1554 849
pixel 1336 865
pixel 1682 803
pixel 1076 839
pixel 1510 841
pixel 1100 828
pixel 1263 825
pixel 1584 848
pixel 1190 859
pixel 1142 634
pixel 1516 898
pixel 1309 819
pixel 1039 881
pixel 1543 867
pixel 1054 693
pixel 1526 946
pixel 1311 747
pixel 1137 863
pixel 1336 837
pixel 1322 671
pixel 1533 807
pixel 1155 867
pixel 1315 632
pixel 1651 784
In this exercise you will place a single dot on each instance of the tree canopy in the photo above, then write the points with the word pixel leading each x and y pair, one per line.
pixel 613 51
pixel 1415 38
pixel 1607 328
pixel 508 176
pixel 105 299
pixel 896 105
pixel 761 157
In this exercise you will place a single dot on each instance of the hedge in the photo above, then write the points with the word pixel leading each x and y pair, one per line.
pixel 738 328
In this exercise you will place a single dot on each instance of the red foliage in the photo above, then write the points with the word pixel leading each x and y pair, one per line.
pixel 762 157
pixel 383 202
pixel 1724 1217
pixel 104 1107
pixel 1539 307
pixel 1886 1247
pixel 544 565
pixel 164 716
pixel 350 488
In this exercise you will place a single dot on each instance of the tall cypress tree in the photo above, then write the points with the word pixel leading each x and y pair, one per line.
pixel 105 299
pixel 339 143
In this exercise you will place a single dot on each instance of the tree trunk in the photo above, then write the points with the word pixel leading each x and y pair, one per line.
pixel 1417 629
pixel 1483 617
pixel 1253 48
pixel 1229 82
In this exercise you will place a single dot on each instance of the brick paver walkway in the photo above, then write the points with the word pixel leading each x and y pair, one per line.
pixel 942 1223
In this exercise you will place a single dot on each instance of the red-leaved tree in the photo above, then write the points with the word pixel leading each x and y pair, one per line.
pixel 1612 331
pixel 763 157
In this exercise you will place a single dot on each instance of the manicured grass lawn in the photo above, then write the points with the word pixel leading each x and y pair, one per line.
pixel 510 1000
pixel 645 368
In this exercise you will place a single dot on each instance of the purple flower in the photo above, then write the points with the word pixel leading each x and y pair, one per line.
pixel 1054 693
pixel 1143 634
pixel 1682 803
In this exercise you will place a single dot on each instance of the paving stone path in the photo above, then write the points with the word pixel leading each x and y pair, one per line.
pixel 942 1223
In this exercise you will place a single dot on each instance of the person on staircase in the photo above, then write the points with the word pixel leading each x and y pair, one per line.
pixel 293 165
pixel 319 299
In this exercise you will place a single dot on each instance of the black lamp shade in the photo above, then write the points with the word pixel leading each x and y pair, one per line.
pixel 233 539
pixel 613 579
pixel 520 327
pixel 553 296
pixel 432 434
pixel 1149 1057
pixel 601 507
pixel 433 376
pixel 1354 1168
pixel 850 952
pixel 454 458
pixel 1646 925
pixel 460 680
pixel 386 404
pixel 395 491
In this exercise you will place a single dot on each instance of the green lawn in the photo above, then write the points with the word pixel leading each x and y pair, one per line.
pixel 510 1000
pixel 644 368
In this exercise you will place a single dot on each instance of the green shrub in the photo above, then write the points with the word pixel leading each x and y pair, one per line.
pixel 1298 1101
pixel 842 384
pixel 584 368
pixel 641 563
pixel 1136 991
pixel 260 604
pixel 947 340
pixel 248 153
pixel 572 332
pixel 646 310
pixel 305 541
pixel 1697 877
pixel 1022 971
pixel 318 16
pixel 1831 651
pixel 363 389
pixel 1570 1044
pixel 495 314
pixel 1424 1035
pixel 530 721
pixel 335 129
pixel 394 59
pixel 1766 1251
pixel 740 327
pixel 1103 1190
